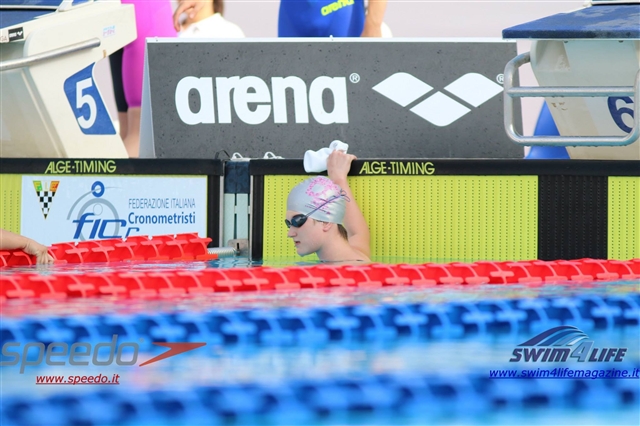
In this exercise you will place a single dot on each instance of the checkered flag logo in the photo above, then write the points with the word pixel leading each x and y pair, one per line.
pixel 45 192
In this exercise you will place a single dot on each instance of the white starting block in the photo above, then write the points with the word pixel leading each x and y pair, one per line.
pixel 50 103
pixel 587 63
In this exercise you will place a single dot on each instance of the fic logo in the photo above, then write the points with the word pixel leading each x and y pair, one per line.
pixel 98 217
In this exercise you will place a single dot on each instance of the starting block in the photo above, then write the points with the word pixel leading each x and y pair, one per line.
pixel 587 63
pixel 51 105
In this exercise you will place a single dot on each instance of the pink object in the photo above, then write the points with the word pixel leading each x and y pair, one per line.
pixel 154 18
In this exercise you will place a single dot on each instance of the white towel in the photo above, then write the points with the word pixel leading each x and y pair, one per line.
pixel 316 161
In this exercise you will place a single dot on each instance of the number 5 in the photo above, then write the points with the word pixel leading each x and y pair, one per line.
pixel 85 100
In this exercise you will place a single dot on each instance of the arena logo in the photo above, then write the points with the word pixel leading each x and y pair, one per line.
pixel 560 343
pixel 335 6
pixel 438 109
pixel 81 354
pixel 253 101
pixel 16 34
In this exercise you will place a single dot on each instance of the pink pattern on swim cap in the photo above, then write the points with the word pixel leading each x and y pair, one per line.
pixel 320 198
pixel 327 189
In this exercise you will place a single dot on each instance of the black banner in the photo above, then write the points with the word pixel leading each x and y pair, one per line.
pixel 401 99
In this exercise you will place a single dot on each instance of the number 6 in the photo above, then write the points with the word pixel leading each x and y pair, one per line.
pixel 85 100
pixel 617 113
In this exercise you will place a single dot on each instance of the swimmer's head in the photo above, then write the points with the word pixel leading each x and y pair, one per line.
pixel 321 194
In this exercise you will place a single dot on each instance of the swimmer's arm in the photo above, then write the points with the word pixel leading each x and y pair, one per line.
pixel 355 223
pixel 373 19
pixel 11 241
pixel 338 165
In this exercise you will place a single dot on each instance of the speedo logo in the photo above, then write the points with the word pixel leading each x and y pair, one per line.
pixel 438 109
pixel 254 102
pixel 83 353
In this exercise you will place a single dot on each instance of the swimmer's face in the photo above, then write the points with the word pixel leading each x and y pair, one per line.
pixel 308 238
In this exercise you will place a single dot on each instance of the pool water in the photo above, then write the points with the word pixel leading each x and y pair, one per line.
pixel 223 263
pixel 390 355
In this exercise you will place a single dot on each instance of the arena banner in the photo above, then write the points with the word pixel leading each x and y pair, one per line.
pixel 422 98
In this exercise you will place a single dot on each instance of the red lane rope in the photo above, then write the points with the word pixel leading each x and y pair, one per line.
pixel 164 247
pixel 170 283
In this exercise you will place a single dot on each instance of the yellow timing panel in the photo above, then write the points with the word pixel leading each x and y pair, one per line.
pixel 624 218
pixel 276 245
pixel 448 218
pixel 439 218
pixel 10 202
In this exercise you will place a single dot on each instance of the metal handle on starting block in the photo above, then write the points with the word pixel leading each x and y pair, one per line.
pixel 511 92
pixel 51 54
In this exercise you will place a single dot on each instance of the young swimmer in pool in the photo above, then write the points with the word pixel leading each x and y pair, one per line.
pixel 324 218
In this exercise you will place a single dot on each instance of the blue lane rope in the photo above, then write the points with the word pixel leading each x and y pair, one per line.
pixel 421 396
pixel 361 323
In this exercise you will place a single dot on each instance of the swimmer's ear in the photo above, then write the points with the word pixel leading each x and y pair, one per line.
pixel 326 226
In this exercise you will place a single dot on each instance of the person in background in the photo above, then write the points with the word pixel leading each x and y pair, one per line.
pixel 153 19
pixel 341 18
pixel 312 18
pixel 115 62
pixel 324 218
pixel 11 241
pixel 209 22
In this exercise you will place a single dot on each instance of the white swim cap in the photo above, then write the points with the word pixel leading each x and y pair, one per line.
pixel 321 194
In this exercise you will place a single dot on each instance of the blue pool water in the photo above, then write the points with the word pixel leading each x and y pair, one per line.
pixel 391 355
